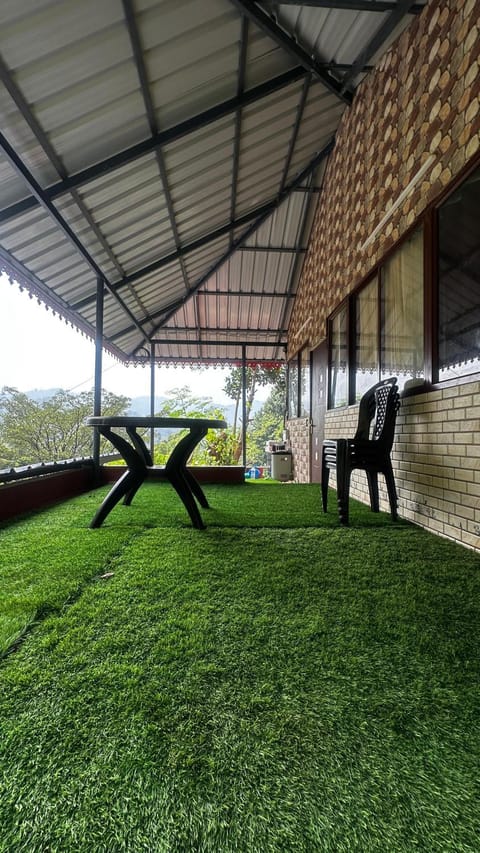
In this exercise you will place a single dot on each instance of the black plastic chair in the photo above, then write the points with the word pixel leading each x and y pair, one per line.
pixel 369 450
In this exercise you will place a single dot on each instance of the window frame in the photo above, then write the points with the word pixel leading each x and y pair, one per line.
pixel 429 221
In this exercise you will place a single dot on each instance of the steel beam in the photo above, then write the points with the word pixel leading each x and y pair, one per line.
pixel 291 46
pixel 164 137
pixel 305 173
pixel 20 168
pixel 222 343
pixel 402 8
pixel 353 5
pixel 97 388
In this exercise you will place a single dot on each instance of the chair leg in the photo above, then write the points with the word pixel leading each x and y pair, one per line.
pixel 343 481
pixel 392 491
pixel 372 479
pixel 325 476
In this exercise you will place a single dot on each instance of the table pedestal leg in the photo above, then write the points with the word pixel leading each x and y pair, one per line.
pixel 129 483
pixel 182 480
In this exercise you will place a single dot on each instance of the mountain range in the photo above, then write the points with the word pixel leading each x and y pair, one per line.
pixel 141 405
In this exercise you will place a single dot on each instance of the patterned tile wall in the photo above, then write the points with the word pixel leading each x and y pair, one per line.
pixel 413 126
pixel 416 118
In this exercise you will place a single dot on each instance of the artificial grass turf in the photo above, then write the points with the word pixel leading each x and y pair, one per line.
pixel 47 557
pixel 44 561
pixel 253 504
pixel 251 690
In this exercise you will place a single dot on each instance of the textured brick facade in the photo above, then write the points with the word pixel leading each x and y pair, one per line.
pixel 299 437
pixel 436 460
pixel 419 109
pixel 413 126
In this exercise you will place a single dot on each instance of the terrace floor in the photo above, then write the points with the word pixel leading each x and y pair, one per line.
pixel 273 683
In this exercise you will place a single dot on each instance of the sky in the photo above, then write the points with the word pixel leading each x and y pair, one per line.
pixel 38 350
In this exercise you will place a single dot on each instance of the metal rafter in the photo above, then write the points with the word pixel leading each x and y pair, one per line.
pixel 305 173
pixel 224 342
pixel 350 5
pixel 20 168
pixel 296 267
pixel 242 62
pixel 164 137
pixel 56 161
pixel 138 55
pixel 285 41
pixel 287 250
pixel 401 9
pixel 296 127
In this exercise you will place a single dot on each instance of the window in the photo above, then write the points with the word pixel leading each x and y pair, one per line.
pixel 366 338
pixel 459 281
pixel 382 330
pixel 386 330
pixel 337 360
pixel 305 383
pixel 292 385
pixel 401 342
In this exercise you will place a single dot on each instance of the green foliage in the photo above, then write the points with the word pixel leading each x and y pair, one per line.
pixel 267 424
pixel 181 403
pixel 256 377
pixel 50 430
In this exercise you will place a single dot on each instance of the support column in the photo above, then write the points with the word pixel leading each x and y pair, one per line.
pixel 97 388
pixel 244 405
pixel 152 396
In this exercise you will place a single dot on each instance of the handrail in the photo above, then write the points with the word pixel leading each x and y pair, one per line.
pixel 39 469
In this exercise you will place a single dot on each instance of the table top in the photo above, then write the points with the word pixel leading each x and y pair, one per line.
pixel 154 422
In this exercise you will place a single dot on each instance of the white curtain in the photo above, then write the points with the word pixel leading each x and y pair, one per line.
pixel 402 311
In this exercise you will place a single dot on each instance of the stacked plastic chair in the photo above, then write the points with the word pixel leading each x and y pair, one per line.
pixel 369 449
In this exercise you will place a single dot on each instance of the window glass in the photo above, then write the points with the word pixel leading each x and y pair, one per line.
pixel 459 281
pixel 293 388
pixel 337 367
pixel 401 318
pixel 366 339
pixel 305 383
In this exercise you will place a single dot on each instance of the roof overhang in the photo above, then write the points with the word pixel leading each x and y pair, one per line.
pixel 176 153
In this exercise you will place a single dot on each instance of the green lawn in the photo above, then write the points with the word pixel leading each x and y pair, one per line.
pixel 273 683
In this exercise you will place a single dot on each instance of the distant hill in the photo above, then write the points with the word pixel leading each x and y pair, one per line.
pixel 42 394
pixel 141 405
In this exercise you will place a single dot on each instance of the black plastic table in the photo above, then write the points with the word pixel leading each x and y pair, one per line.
pixel 138 460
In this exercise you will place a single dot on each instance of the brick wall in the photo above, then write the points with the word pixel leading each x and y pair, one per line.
pixel 413 126
pixel 299 437
pixel 419 109
pixel 436 460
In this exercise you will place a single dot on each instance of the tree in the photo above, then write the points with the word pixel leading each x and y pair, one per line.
pixel 52 429
pixel 256 376
pixel 182 404
pixel 267 424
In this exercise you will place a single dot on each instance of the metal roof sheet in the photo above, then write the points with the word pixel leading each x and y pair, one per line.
pixel 175 151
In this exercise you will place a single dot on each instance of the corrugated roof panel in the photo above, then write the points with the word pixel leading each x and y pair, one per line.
pixel 20 137
pixel 199 263
pixel 199 221
pixel 191 61
pixel 55 27
pixel 265 59
pixel 211 140
pixel 108 129
pixel 74 66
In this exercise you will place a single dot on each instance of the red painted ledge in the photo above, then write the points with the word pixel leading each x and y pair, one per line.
pixel 35 493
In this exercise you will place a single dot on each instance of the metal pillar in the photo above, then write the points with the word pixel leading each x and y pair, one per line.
pixel 152 396
pixel 244 405
pixel 97 388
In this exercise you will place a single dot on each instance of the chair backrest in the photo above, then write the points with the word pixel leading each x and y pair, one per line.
pixel 381 402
